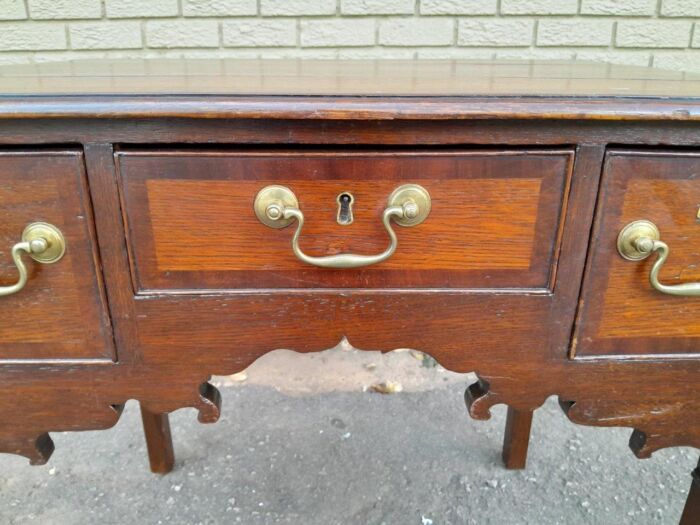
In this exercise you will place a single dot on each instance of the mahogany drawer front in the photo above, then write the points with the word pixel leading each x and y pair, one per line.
pixel 620 312
pixel 494 223
pixel 61 312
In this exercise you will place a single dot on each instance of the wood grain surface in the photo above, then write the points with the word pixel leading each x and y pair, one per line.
pixel 621 313
pixel 494 221
pixel 60 314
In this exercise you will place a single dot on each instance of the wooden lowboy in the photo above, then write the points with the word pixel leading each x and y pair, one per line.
pixel 163 221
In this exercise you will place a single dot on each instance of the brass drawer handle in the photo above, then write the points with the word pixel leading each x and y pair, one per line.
pixel 637 241
pixel 277 207
pixel 44 243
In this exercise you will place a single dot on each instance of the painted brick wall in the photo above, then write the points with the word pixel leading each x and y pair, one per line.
pixel 663 33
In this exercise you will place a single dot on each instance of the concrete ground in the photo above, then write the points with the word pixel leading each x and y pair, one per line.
pixel 304 440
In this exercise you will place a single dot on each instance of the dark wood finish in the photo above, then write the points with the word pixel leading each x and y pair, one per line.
pixel 620 313
pixel 61 313
pixel 190 223
pixel 159 441
pixel 342 108
pixel 173 332
pixel 289 132
pixel 691 512
pixel 517 438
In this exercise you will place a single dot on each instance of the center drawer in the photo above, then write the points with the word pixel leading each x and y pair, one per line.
pixel 494 219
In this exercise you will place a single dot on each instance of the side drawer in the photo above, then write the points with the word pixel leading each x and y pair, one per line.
pixel 494 222
pixel 60 313
pixel 620 312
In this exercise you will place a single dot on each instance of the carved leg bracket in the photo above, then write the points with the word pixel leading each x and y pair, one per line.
pixel 37 448
pixel 209 403
pixel 156 425
pixel 480 398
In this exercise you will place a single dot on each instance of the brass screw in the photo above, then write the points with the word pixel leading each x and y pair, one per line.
pixel 644 244
pixel 38 245
pixel 410 210
pixel 274 212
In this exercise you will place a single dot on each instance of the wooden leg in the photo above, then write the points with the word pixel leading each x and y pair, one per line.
pixel 159 442
pixel 517 438
pixel 691 512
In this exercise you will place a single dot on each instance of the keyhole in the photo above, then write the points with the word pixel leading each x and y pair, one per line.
pixel 345 201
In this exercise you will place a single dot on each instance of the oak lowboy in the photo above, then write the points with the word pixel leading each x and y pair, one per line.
pixel 164 221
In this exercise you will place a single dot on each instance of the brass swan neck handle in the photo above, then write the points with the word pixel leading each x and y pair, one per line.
pixel 277 207
pixel 44 243
pixel 637 241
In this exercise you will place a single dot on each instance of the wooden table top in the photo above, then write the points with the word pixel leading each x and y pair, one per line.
pixel 357 89
pixel 345 78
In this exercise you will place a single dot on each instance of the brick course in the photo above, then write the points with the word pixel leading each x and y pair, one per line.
pixel 458 7
pixel 680 8
pixel 377 7
pixel 32 36
pixel 12 10
pixel 219 7
pixel 539 7
pixel 140 8
pixel 47 9
pixel 297 7
pixel 339 32
pixel 584 33
pixel 617 7
pixel 651 33
pixel 101 35
pixel 664 33
pixel 182 33
pixel 495 32
pixel 254 33
pixel 416 31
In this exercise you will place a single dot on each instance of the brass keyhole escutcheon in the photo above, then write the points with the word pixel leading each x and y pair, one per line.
pixel 345 201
